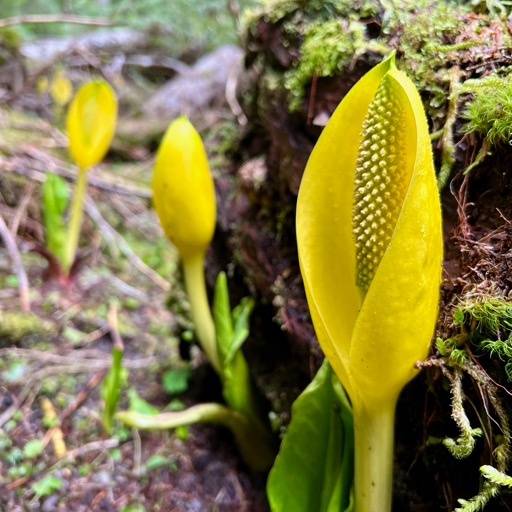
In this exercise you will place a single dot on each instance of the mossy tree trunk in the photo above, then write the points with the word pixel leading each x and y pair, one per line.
pixel 301 59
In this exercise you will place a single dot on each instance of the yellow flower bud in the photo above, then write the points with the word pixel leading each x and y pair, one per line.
pixel 183 191
pixel 91 123
pixel 61 88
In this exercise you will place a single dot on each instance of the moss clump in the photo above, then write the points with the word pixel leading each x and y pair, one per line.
pixel 274 11
pixel 489 113
pixel 485 324
pixel 14 326
pixel 326 49
pixel 425 32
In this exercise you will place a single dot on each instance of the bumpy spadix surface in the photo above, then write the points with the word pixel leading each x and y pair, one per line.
pixel 369 236
pixel 380 182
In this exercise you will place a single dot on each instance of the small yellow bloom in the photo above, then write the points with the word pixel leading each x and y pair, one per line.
pixel 183 191
pixel 91 123
pixel 42 85
pixel 61 88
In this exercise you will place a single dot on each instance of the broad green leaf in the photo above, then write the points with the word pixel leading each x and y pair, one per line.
pixel 314 467
pixel 55 196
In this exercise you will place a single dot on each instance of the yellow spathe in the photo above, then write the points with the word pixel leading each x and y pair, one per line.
pixel 91 123
pixel 183 190
pixel 369 236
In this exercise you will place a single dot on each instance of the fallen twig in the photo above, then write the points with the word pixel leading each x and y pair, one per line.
pixel 22 208
pixel 12 249
pixel 123 246
pixel 54 18
pixel 76 362
pixel 35 167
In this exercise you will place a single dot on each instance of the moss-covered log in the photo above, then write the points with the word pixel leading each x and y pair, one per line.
pixel 301 59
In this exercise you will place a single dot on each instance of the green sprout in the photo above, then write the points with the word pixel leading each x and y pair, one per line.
pixel 55 198
pixel 111 387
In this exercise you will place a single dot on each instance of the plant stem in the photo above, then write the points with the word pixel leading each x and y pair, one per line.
pixel 254 448
pixel 374 439
pixel 193 270
pixel 75 220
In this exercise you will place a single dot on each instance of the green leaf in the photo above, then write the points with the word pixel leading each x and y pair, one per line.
pixel 111 388
pixel 241 315
pixel 55 197
pixel 47 485
pixel 176 380
pixel 33 448
pixel 139 405
pixel 231 331
pixel 314 468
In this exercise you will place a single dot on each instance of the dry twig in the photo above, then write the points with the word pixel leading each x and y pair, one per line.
pixel 112 235
pixel 54 18
pixel 12 249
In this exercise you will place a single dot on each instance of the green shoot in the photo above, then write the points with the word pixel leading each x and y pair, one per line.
pixel 55 197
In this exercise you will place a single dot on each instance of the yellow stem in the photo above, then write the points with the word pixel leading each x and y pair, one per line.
pixel 374 439
pixel 75 220
pixel 193 269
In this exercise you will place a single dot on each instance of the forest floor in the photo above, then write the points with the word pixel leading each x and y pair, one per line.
pixel 56 345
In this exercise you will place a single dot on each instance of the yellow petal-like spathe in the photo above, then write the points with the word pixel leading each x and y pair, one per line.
pixel 183 190
pixel 369 236
pixel 91 123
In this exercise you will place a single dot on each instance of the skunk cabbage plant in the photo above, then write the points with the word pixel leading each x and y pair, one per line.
pixel 370 250
pixel 184 200
pixel 90 123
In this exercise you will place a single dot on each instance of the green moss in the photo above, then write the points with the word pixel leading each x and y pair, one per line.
pixel 423 25
pixel 489 113
pixel 485 324
pixel 14 326
pixel 425 30
pixel 327 48
pixel 274 11
pixel 483 317
pixel 10 38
